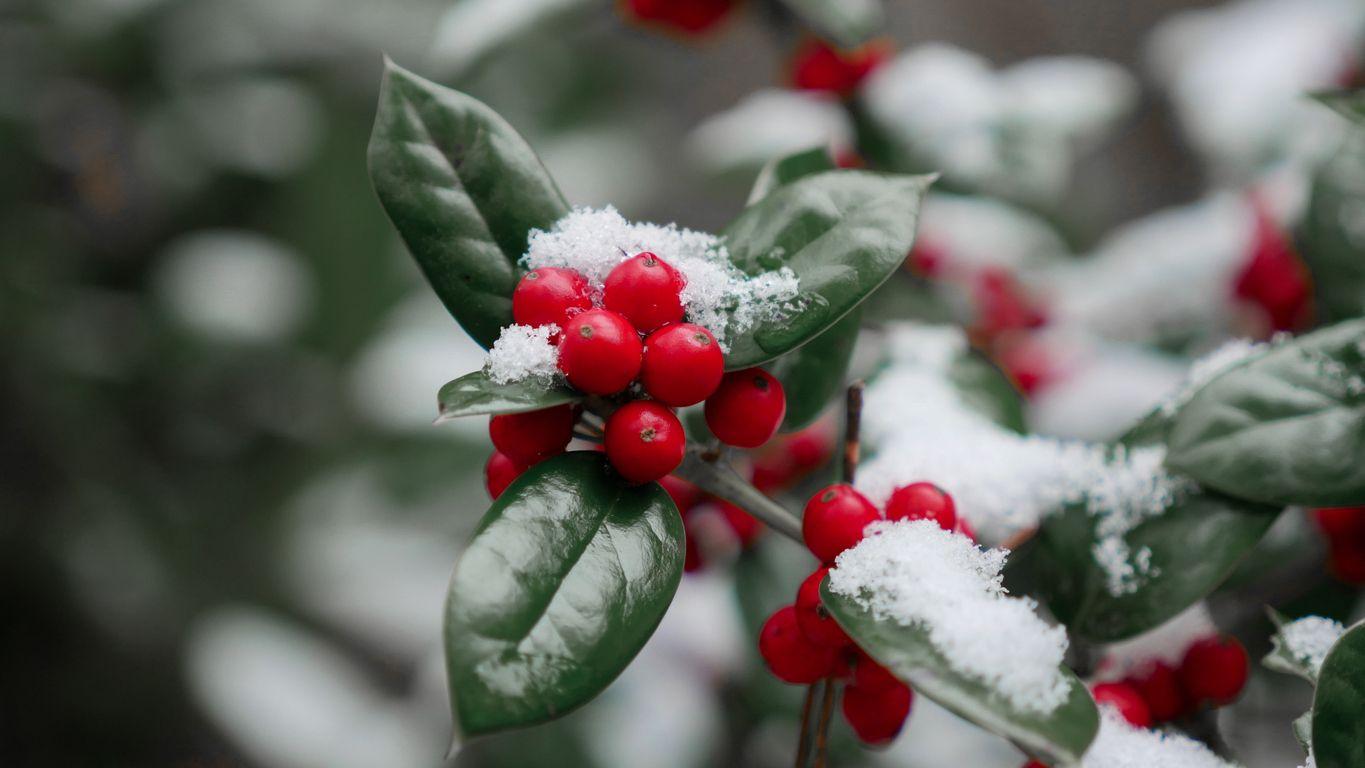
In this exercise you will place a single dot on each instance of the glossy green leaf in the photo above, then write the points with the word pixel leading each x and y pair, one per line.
pixel 474 394
pixel 567 576
pixel 1327 238
pixel 846 22
pixel 1348 104
pixel 781 171
pixel 1285 428
pixel 842 232
pixel 987 390
pixel 1059 737
pixel 464 190
pixel 813 375
pixel 1195 545
pixel 1339 704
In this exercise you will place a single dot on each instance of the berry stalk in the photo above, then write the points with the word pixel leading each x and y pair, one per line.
pixel 709 473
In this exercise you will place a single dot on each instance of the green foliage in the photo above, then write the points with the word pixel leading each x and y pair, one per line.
pixel 1339 704
pixel 1328 244
pixel 464 190
pixel 1348 104
pixel 567 576
pixel 1060 737
pixel 474 394
pixel 1287 427
pixel 987 390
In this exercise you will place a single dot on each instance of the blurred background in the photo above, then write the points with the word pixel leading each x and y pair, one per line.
pixel 226 520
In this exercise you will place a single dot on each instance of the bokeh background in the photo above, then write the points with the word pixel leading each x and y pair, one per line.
pixel 226 520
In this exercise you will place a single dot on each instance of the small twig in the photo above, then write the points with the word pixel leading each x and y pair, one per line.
pixel 853 418
pixel 803 743
pixel 826 713
pixel 718 478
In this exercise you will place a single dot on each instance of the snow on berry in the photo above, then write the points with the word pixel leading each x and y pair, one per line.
pixel 522 353
pixel 1310 638
pixel 1120 745
pixel 917 427
pixel 917 574
pixel 717 295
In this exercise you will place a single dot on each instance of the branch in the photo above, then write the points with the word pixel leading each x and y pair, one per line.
pixel 707 472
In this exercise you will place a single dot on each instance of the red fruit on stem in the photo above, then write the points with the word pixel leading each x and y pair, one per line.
pixel 1274 278
pixel 690 16
pixel 789 655
pixel 834 520
pixel 499 472
pixel 1346 561
pixel 818 66
pixel 877 716
pixel 1342 522
pixel 1214 670
pixel 1035 764
pixel 747 408
pixel 745 526
pixel 1160 688
pixel 922 501
pixel 644 441
pixel 646 290
pixel 870 676
pixel 684 494
pixel 600 352
pixel 1002 305
pixel 811 616
pixel 682 365
pixel 534 435
pixel 550 296
pixel 1126 699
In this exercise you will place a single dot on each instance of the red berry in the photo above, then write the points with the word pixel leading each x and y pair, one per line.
pixel 1274 277
pixel 789 655
pixel 1002 304
pixel 1346 561
pixel 1160 688
pixel 1126 699
pixel 790 457
pixel 834 520
pixel 818 66
pixel 877 716
pixel 1342 522
pixel 1035 764
pixel 600 352
pixel 814 620
pixel 1214 670
pixel 869 676
pixel 684 494
pixel 682 366
pixel 644 441
pixel 747 408
pixel 922 501
pixel 499 472
pixel 550 296
pixel 746 528
pixel 691 16
pixel 646 290
pixel 534 435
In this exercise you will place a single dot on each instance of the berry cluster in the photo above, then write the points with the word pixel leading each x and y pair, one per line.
pixel 1345 530
pixel 802 643
pixel 629 338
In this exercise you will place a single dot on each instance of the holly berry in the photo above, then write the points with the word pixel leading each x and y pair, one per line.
pixel 1160 688
pixel 682 366
pixel 747 408
pixel 820 628
pixel 534 435
pixel 1126 699
pixel 877 716
pixel 499 472
pixel 817 66
pixel 746 528
pixel 691 16
pixel 922 501
pixel 550 296
pixel 834 520
pixel 647 290
pixel 684 494
pixel 1214 670
pixel 870 676
pixel 600 352
pixel 1346 560
pixel 789 655
pixel 1274 277
pixel 1342 522
pixel 644 441
pixel 790 457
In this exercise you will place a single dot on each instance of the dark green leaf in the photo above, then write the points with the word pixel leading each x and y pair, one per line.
pixel 1339 704
pixel 842 232
pixel 566 578
pixel 813 374
pixel 464 190
pixel 1329 241
pixel 988 391
pixel 1286 427
pixel 475 394
pixel 781 171
pixel 1349 104
pixel 1060 737
pixel 846 22
pixel 1195 544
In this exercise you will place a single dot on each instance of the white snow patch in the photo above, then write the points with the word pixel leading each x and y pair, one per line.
pixel 1310 638
pixel 523 352
pixel 1120 745
pixel 768 124
pixel 917 574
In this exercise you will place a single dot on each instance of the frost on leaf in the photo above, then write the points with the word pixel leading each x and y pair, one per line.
pixel 523 353
pixel 1120 745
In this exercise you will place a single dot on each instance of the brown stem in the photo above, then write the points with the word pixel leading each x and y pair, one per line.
pixel 853 418
pixel 822 735
pixel 803 743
